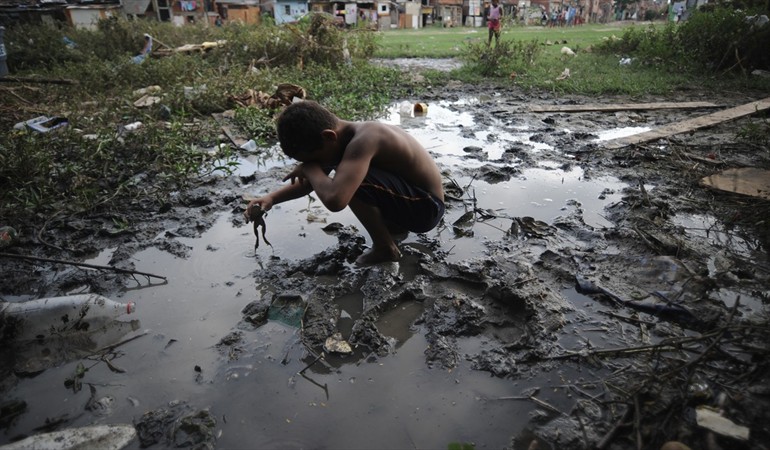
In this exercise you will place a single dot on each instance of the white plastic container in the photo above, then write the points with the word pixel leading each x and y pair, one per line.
pixel 59 316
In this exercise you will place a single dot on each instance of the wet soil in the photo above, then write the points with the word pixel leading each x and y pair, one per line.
pixel 573 297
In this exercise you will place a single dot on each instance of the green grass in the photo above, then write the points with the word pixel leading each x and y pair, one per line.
pixel 437 42
pixel 592 72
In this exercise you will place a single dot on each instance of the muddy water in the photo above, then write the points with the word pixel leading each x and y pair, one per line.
pixel 263 399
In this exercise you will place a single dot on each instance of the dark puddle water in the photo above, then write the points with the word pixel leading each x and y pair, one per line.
pixel 261 400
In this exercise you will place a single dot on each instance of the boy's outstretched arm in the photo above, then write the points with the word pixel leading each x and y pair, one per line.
pixel 298 188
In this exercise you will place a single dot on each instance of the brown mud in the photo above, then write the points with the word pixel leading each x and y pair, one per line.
pixel 618 328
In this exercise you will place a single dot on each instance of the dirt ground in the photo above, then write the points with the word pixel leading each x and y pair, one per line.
pixel 676 326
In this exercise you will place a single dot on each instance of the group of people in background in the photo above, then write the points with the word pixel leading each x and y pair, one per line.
pixel 565 17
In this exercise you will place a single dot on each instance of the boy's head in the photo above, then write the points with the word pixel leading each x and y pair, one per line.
pixel 300 127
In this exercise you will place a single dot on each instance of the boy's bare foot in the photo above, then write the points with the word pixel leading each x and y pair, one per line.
pixel 376 255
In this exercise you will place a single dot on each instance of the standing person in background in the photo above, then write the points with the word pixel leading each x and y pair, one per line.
pixel 679 12
pixel 494 16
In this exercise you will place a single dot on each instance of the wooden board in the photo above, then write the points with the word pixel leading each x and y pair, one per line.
pixel 745 180
pixel 621 107
pixel 690 124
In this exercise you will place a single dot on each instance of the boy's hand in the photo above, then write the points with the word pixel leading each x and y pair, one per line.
pixel 265 203
pixel 296 175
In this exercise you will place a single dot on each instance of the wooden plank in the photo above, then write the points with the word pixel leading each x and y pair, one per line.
pixel 746 180
pixel 621 107
pixel 690 124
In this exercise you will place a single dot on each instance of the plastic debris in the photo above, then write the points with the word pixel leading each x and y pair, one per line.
pixel 405 108
pixel 249 146
pixel 567 51
pixel 57 316
pixel 42 124
pixel 147 90
pixel 711 419
pixel 147 100
pixel 133 126
pixel 420 109
pixel 336 344
pixel 288 309
pixel 564 75
pixel 103 437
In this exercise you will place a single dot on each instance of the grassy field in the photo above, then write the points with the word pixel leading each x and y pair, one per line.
pixel 438 42
pixel 590 72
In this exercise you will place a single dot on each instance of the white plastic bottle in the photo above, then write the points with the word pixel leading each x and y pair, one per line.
pixel 58 316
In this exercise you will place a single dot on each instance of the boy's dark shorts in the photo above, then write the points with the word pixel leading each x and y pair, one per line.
pixel 399 202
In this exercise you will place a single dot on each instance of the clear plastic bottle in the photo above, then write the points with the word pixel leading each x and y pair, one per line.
pixel 58 316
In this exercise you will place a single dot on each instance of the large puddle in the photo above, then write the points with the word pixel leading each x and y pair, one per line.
pixel 264 399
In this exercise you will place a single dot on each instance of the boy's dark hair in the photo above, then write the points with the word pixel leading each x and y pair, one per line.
pixel 300 125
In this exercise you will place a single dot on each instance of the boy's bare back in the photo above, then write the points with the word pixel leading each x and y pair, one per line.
pixel 394 150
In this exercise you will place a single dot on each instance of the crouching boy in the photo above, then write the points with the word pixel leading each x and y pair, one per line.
pixel 387 178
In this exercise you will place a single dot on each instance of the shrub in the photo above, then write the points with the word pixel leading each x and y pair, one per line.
pixel 725 39
pixel 502 59
pixel 716 38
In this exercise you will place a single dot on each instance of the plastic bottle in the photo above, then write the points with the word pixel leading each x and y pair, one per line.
pixel 58 316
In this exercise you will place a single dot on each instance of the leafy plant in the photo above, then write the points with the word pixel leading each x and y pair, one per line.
pixel 501 59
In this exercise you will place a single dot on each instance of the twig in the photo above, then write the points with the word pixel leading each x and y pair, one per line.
pixel 75 263
pixel 632 320
pixel 613 431
pixel 717 338
pixel 637 423
pixel 670 344
pixel 112 347
pixel 37 80
pixel 537 401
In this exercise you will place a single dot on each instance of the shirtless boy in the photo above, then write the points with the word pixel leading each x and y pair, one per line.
pixel 386 177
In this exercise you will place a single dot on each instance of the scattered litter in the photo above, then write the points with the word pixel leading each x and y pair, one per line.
pixel 745 180
pixel 564 75
pixel 249 146
pixel 625 61
pixel 147 100
pixel 191 92
pixel 133 126
pixel 405 108
pixel 336 344
pixel 39 318
pixel 164 50
pixel 760 73
pixel 710 419
pixel 147 90
pixel 105 437
pixel 42 124
pixel 567 51
pixel 69 43
pixel 420 109
pixel 288 309
pixel 285 94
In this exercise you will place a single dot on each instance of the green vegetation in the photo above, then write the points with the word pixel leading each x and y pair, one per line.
pixel 96 165
pixel 437 42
